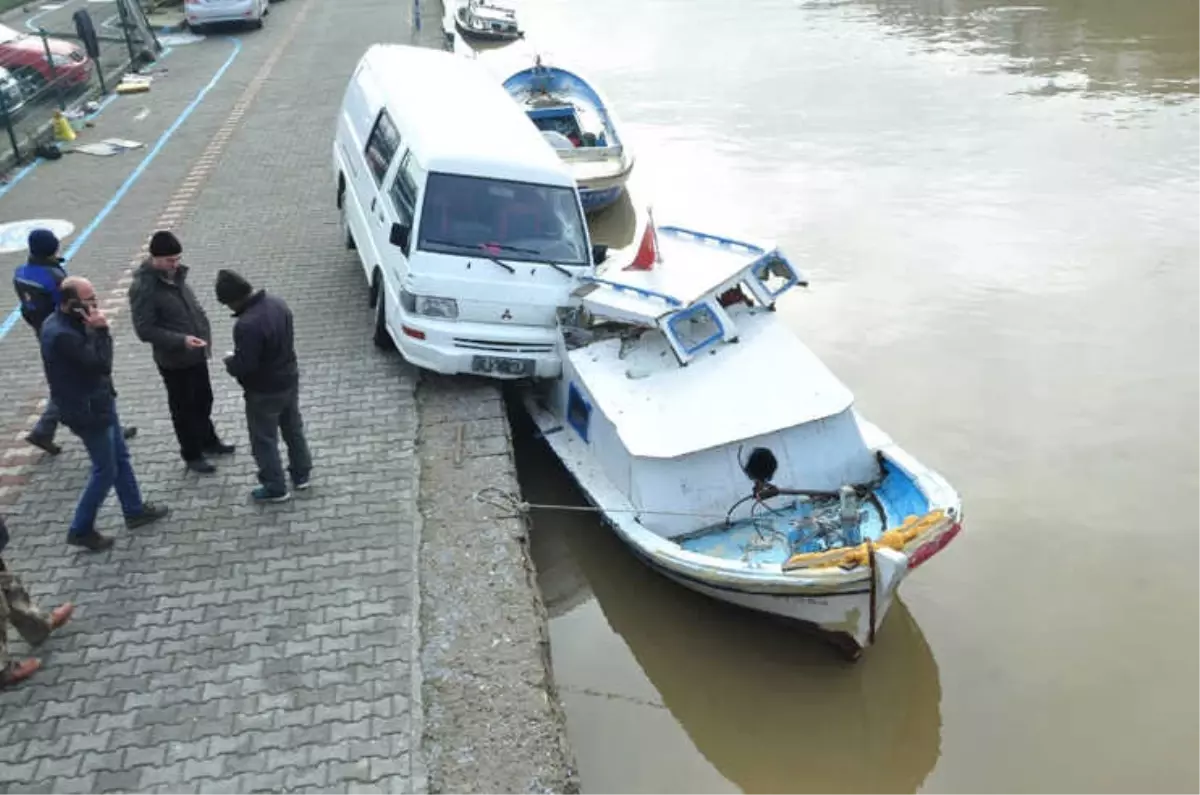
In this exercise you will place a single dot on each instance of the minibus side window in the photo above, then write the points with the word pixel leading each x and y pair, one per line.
pixel 404 191
pixel 382 145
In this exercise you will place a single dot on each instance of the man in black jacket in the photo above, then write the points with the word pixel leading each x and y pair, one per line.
pixel 32 624
pixel 77 353
pixel 264 363
pixel 167 315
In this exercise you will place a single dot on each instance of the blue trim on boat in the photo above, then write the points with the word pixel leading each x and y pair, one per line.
pixel 769 258
pixel 899 495
pixel 629 288
pixel 734 589
pixel 575 399
pixel 598 198
pixel 679 317
pixel 557 112
pixel 724 242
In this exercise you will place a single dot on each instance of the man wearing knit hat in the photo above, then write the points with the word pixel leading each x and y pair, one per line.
pixel 264 363
pixel 38 282
pixel 167 315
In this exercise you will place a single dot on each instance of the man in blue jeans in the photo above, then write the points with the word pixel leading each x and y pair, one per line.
pixel 77 352
pixel 37 283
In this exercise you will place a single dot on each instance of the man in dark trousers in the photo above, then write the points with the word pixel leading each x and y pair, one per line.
pixel 37 283
pixel 264 363
pixel 31 623
pixel 77 352
pixel 167 315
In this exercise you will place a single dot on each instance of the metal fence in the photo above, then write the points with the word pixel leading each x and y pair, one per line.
pixel 48 68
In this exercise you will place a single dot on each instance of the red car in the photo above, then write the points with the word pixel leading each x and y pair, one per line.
pixel 23 55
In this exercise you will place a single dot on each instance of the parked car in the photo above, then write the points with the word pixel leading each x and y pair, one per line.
pixel 202 13
pixel 13 96
pixel 24 56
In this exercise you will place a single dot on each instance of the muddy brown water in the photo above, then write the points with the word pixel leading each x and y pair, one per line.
pixel 998 205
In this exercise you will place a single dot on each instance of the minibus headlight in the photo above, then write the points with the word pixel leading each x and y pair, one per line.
pixel 429 305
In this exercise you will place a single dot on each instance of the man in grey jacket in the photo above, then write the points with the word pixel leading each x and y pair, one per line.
pixel 167 315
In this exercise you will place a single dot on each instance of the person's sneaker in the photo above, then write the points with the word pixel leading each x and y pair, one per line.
pixel 43 443
pixel 16 672
pixel 151 513
pixel 92 542
pixel 201 465
pixel 300 484
pixel 128 432
pixel 262 495
pixel 220 448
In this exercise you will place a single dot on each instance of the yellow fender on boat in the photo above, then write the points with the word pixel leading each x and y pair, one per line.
pixel 896 538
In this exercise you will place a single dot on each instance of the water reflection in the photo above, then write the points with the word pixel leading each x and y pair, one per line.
pixel 1103 46
pixel 773 710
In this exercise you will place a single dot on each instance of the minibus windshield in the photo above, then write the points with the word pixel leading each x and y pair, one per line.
pixel 518 221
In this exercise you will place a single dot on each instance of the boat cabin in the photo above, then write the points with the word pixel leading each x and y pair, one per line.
pixel 691 305
pixel 676 365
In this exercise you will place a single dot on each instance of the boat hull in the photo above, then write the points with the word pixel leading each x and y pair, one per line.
pixel 847 619
pixel 488 35
pixel 598 195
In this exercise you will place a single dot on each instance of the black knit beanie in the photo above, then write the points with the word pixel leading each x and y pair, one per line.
pixel 164 244
pixel 231 287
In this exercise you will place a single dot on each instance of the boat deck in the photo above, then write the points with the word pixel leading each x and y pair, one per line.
pixel 771 537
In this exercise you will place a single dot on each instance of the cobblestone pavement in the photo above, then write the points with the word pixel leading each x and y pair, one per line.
pixel 231 647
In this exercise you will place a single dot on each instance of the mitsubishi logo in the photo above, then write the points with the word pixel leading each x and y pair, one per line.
pixel 506 316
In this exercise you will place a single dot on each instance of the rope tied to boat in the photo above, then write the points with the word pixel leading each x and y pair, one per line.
pixel 511 502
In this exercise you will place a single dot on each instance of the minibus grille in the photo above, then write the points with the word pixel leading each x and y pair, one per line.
pixel 503 347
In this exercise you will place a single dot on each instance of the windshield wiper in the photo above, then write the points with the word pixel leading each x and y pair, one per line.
pixel 452 244
pixel 520 250
pixel 501 263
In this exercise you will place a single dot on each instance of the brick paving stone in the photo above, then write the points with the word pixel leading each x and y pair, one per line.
pixel 231 647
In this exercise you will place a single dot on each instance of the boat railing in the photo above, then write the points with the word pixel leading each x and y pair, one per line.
pixel 629 288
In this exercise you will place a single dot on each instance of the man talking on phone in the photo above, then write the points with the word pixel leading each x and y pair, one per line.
pixel 167 315
pixel 77 353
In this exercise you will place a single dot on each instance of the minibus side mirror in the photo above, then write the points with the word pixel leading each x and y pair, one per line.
pixel 399 236
pixel 599 254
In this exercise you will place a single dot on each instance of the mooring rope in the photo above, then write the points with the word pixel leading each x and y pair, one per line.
pixel 510 501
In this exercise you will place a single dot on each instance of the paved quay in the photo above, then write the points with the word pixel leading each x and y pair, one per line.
pixel 380 633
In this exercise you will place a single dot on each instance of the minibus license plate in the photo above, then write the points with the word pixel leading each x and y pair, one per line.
pixel 502 366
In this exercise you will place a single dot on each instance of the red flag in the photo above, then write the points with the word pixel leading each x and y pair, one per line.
pixel 647 253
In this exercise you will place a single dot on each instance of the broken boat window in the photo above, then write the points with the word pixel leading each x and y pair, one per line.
pixel 695 328
pixel 775 274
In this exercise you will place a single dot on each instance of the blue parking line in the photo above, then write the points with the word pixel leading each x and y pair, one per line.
pixel 12 318
pixel 29 22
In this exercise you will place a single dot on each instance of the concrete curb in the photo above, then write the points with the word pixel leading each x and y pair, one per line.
pixel 492 718
pixel 486 708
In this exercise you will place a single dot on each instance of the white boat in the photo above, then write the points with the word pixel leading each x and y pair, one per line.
pixel 723 452
pixel 576 120
pixel 481 20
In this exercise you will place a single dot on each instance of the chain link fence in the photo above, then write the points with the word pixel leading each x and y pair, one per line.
pixel 62 61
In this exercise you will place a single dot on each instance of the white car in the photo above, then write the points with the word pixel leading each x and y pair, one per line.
pixel 202 13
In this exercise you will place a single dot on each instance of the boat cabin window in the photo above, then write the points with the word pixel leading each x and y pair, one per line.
pixel 382 145
pixel 695 328
pixel 513 221
pixel 579 411
pixel 775 275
